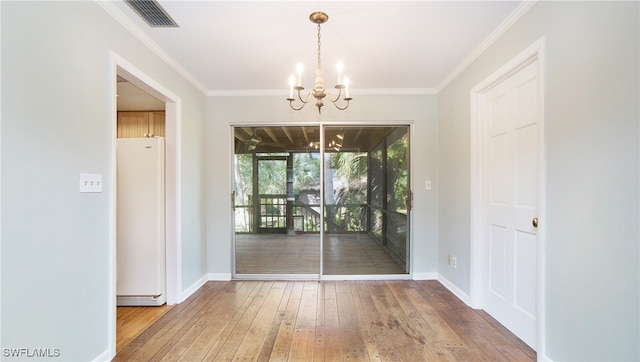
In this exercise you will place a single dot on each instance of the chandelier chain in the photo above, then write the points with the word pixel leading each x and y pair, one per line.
pixel 319 65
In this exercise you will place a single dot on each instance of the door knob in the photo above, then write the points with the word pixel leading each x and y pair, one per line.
pixel 534 222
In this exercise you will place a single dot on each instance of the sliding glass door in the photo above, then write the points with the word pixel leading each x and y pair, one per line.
pixel 277 200
pixel 366 194
pixel 321 200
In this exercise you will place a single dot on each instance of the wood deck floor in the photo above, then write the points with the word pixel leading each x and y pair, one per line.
pixel 325 321
pixel 344 254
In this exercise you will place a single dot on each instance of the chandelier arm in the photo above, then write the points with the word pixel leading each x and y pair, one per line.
pixel 337 97
pixel 342 108
pixel 303 102
pixel 300 97
pixel 294 108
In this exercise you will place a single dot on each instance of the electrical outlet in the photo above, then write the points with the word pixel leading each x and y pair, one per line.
pixel 454 262
pixel 90 182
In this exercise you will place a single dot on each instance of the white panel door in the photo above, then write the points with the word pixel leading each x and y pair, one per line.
pixel 509 112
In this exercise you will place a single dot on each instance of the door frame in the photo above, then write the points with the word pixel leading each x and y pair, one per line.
pixel 256 187
pixel 173 249
pixel 478 245
pixel 321 275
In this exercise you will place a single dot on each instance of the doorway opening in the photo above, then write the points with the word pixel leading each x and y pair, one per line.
pixel 321 201
pixel 124 71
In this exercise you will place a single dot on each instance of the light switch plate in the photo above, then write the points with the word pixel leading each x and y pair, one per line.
pixel 90 182
pixel 427 185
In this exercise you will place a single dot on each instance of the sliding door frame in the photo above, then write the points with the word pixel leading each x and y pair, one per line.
pixel 321 276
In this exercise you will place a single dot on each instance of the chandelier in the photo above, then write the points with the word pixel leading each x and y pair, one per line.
pixel 318 92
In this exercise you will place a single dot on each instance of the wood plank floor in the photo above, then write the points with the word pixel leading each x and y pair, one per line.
pixel 325 321
pixel 344 254
pixel 131 321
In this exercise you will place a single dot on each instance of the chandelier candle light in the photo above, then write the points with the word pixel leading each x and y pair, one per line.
pixel 319 92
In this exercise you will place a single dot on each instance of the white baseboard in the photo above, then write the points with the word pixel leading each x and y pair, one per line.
pixel 219 277
pixel 223 277
pixel 544 358
pixel 105 356
pixel 192 289
pixel 425 276
pixel 416 276
pixel 454 289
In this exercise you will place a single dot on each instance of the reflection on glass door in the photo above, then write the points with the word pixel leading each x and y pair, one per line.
pixel 277 200
pixel 353 216
pixel 366 191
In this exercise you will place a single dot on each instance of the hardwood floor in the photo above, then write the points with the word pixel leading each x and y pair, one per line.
pixel 131 321
pixel 325 321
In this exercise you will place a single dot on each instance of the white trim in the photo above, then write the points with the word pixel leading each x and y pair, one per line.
pixel 506 24
pixel 104 356
pixel 543 358
pixel 425 276
pixel 326 123
pixel 173 268
pixel 111 257
pixel 173 124
pixel 534 52
pixel 193 288
pixel 220 277
pixel 112 10
pixel 283 92
pixel 464 297
pixel 395 91
pixel 1 270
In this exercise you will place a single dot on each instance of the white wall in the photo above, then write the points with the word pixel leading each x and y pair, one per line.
pixel 592 146
pixel 421 110
pixel 56 84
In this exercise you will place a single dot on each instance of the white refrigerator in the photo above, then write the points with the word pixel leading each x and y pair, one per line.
pixel 140 221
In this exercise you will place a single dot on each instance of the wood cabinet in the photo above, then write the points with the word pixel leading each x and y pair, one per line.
pixel 141 124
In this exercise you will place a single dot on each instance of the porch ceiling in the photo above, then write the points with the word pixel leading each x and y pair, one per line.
pixel 307 138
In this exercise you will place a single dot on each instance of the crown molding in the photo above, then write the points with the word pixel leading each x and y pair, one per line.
pixel 506 24
pixel 283 92
pixel 248 93
pixel 112 10
pixel 395 91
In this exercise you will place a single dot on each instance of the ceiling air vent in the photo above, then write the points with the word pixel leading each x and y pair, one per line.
pixel 152 13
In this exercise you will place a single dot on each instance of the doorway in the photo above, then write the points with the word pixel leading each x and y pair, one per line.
pixel 321 201
pixel 124 70
pixel 272 187
pixel 507 198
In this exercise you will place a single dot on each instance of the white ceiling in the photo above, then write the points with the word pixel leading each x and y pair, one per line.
pixel 238 47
